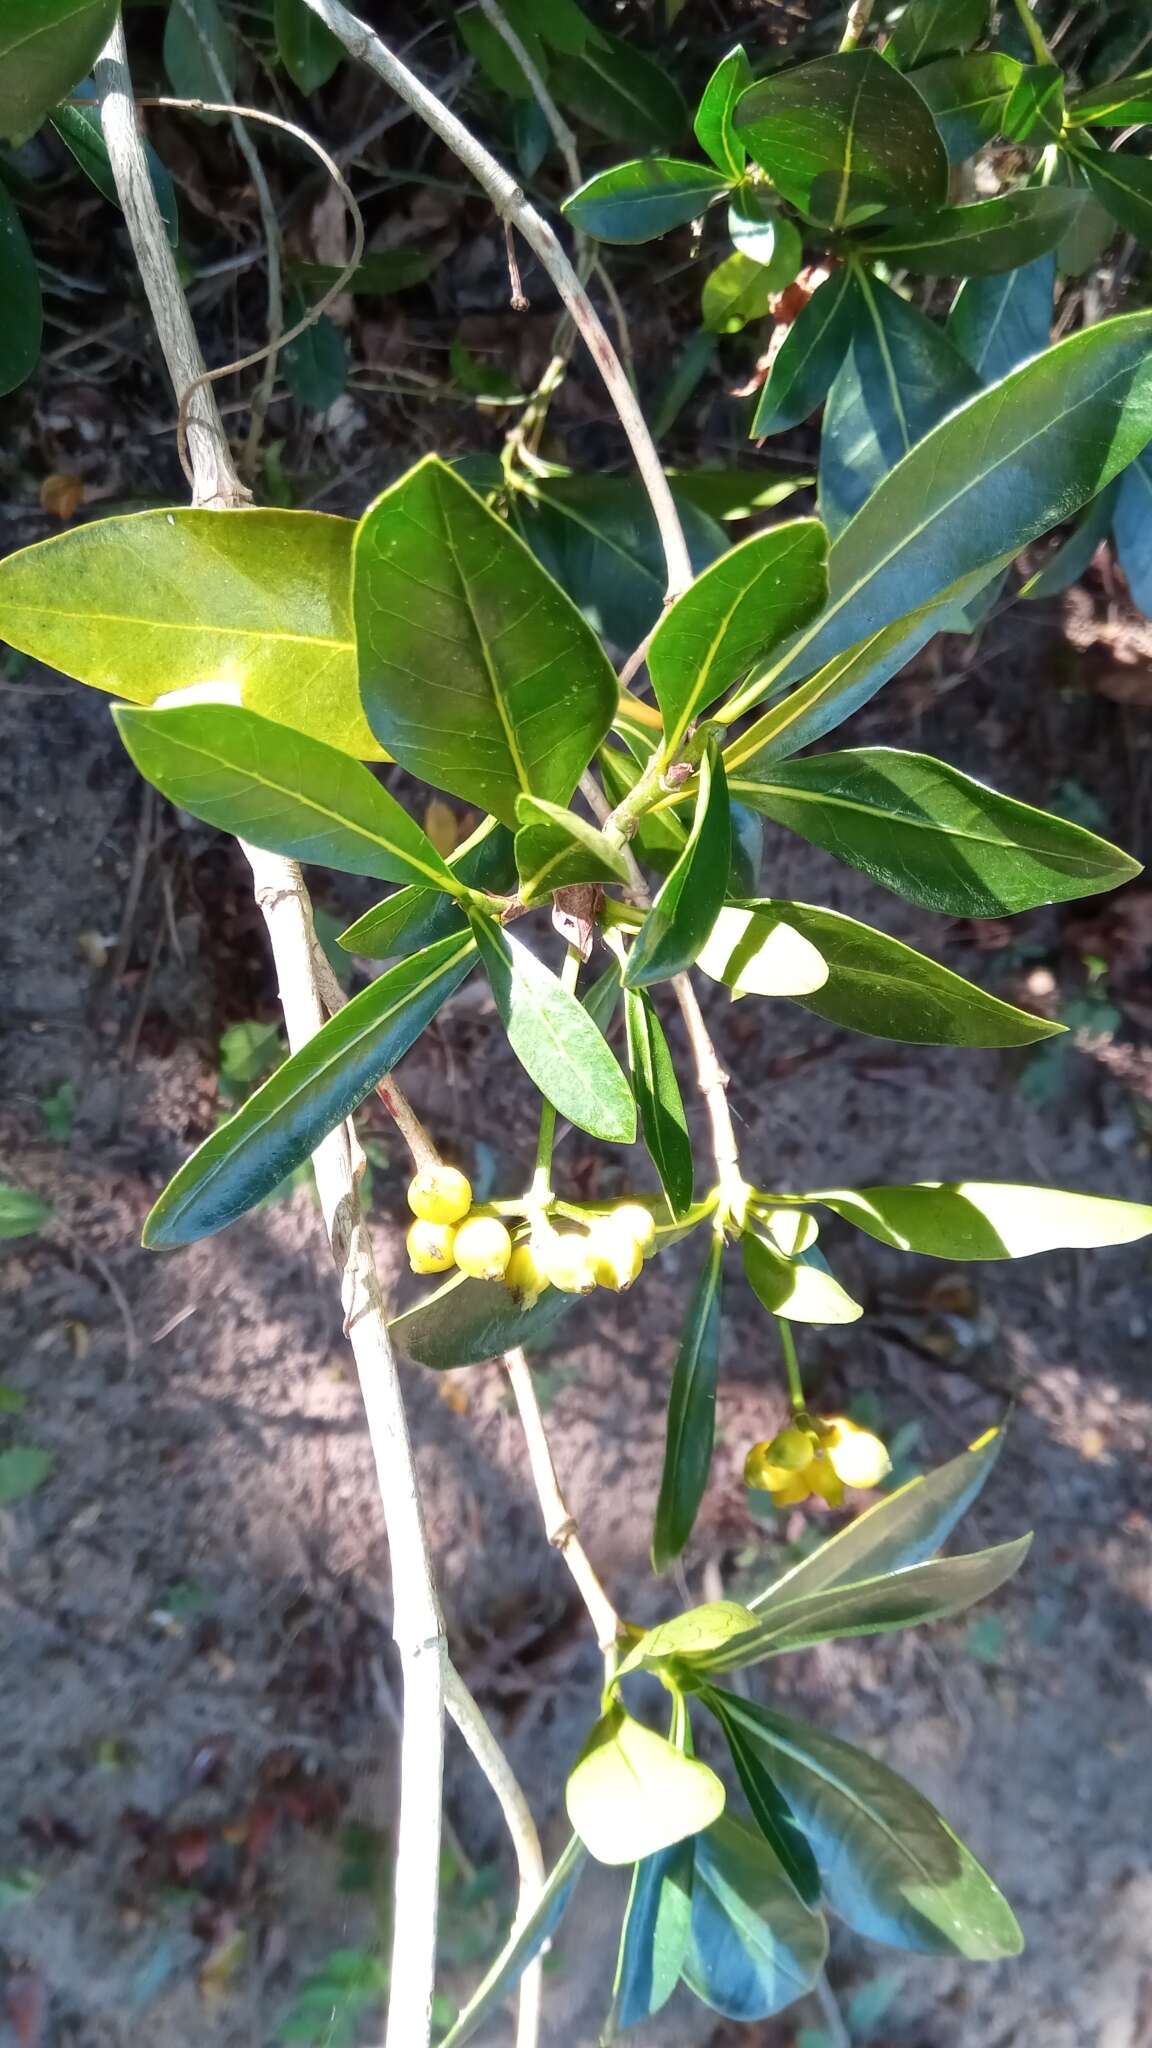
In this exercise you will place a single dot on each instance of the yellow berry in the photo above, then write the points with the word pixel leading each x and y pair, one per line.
pixel 634 1220
pixel 525 1275
pixel 795 1490
pixel 857 1456
pixel 793 1448
pixel 430 1246
pixel 569 1261
pixel 821 1477
pixel 617 1256
pixel 762 1472
pixel 483 1248
pixel 440 1194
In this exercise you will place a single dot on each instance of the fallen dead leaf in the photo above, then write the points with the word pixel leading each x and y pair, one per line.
pixel 61 495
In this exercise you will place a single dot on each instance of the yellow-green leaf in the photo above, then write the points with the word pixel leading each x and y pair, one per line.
pixel 982 1219
pixel 631 1793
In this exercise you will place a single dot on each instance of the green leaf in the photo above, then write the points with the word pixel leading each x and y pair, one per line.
pixel 998 322
pixel 1035 110
pixel 23 1468
pixel 635 202
pixel 158 601
pixel 987 1219
pixel 761 955
pixel 1123 185
pixel 45 46
pixel 554 1038
pixel 737 291
pixel 621 93
pixel 689 902
pixel 892 1868
pixel 689 1635
pixel 555 848
pixel 809 357
pixel 477 672
pixel 601 997
pixel 315 364
pixel 755 1947
pixel 597 536
pixel 1132 528
pixel 654 1936
pixel 413 917
pixel 190 25
pixel 844 138
pixel 800 1291
pixel 989 235
pixel 1093 229
pixel 691 1416
pixel 933 835
pixel 874 983
pixel 523 1944
pixel 23 321
pixel 498 63
pixel 1121 103
pixel 278 789
pixel 1068 562
pixel 931 1591
pixel 662 1119
pixel 279 1126
pixel 660 836
pixel 379 275
pixel 466 1321
pixel 968 97
pixel 736 493
pixel 759 231
pixel 901 376
pixel 631 1793
pixel 81 130
pixel 770 1810
pixel 907 1527
pixel 21 1214
pixel 998 472
pixel 307 49
pixel 713 126
pixel 935 28
pixel 733 616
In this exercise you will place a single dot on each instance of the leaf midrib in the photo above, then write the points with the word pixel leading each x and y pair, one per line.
pixel 748 784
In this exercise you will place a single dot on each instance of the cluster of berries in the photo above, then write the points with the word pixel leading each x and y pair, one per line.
pixel 820 1455
pixel 608 1252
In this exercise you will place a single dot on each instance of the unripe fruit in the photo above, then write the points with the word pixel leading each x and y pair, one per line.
pixel 430 1246
pixel 617 1256
pixel 857 1457
pixel 569 1261
pixel 793 1448
pixel 525 1275
pixel 637 1221
pixel 483 1248
pixel 786 1487
pixel 440 1194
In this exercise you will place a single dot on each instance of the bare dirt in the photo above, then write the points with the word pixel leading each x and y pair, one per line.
pixel 198 1683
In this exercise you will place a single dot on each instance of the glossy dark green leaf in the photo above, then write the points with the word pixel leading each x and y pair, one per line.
pixel 315 364
pixel 81 130
pixel 554 1038
pixel 892 1868
pixel 1122 103
pixel 845 137
pixel 1035 110
pixel 1067 563
pixel 277 1128
pixel 732 616
pixel 713 125
pixel 987 236
pixel 968 97
pixel 635 202
pixel 878 985
pixel 738 291
pixel 23 321
pixel 1093 229
pixel 770 1810
pixel 465 1321
pixel 933 835
pixel 307 49
pixel 523 1944
pixel 1123 185
pixel 998 322
pixel 555 848
pixel 631 1793
pixel 987 1219
pixel 498 63
pixel 159 601
pixel 754 1946
pixel 901 376
pixel 757 229
pixel 621 93
pixel 931 1591
pixel 691 1416
pixel 192 28
pixel 662 1119
pixel 601 997
pixel 802 1289
pixel 1132 527
pixel 45 46
pixel 477 672
pixel 654 1937
pixel 598 538
pixel 935 28
pixel 994 475
pixel 906 1528
pixel 411 918
pixel 688 904
pixel 809 357
pixel 747 851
